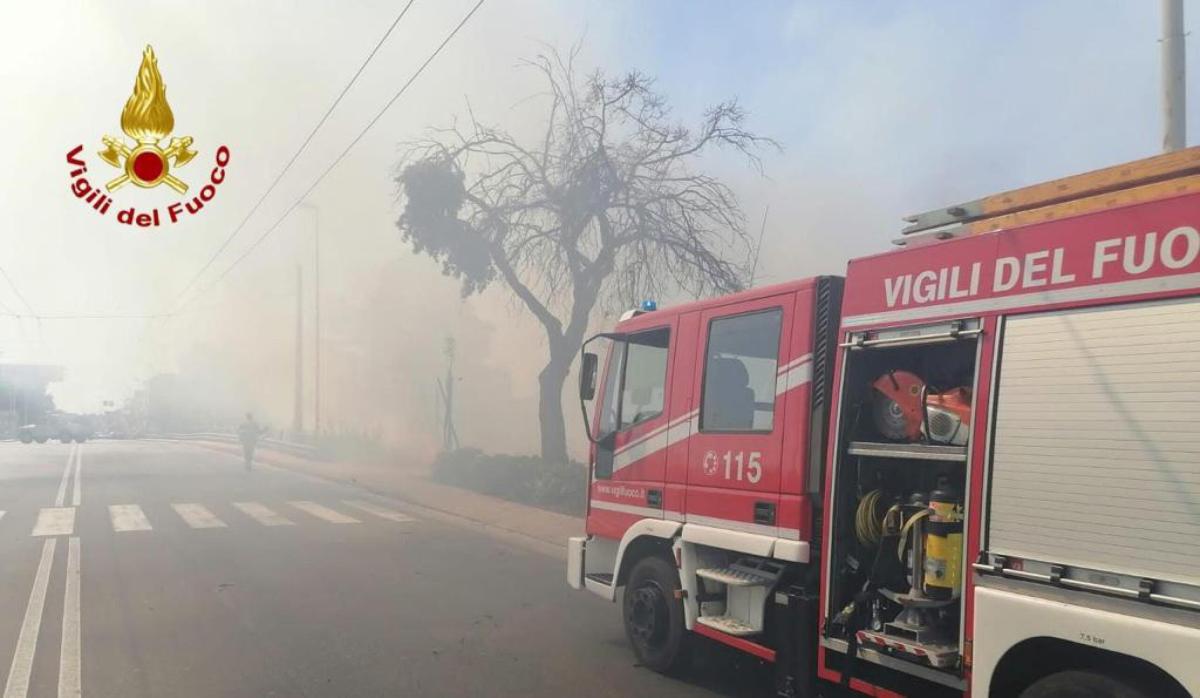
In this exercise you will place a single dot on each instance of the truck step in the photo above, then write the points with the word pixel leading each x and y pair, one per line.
pixel 735 576
pixel 746 572
pixel 728 625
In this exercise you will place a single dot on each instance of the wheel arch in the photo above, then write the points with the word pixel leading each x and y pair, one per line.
pixel 645 537
pixel 1037 657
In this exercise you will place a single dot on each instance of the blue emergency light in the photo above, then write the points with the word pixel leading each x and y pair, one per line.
pixel 649 306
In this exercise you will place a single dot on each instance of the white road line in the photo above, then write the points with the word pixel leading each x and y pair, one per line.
pixel 70 663
pixel 22 663
pixel 128 517
pixel 55 521
pixel 62 485
pixel 262 514
pixel 197 516
pixel 378 510
pixel 326 513
pixel 76 493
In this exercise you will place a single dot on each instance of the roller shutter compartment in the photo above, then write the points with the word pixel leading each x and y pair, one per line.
pixel 1096 456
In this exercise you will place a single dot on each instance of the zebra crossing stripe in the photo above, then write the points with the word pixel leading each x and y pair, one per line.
pixel 55 521
pixel 262 514
pixel 125 518
pixel 379 511
pixel 322 512
pixel 197 516
pixel 128 517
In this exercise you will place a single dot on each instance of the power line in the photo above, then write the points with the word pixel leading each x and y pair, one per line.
pixel 340 157
pixel 86 316
pixel 295 155
pixel 41 340
pixel 13 286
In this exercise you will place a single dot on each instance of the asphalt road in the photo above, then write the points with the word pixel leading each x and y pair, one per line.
pixel 157 569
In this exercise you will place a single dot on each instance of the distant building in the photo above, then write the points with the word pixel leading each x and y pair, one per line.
pixel 23 396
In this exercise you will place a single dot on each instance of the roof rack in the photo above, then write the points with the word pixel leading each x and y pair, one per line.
pixel 1152 178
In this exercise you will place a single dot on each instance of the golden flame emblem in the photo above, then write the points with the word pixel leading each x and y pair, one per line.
pixel 147 118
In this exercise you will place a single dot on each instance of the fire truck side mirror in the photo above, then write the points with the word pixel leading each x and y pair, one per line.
pixel 603 467
pixel 587 376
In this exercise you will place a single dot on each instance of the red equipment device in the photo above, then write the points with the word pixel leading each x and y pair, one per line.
pixel 905 410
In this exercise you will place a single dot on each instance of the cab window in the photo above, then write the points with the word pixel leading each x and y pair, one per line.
pixel 644 389
pixel 612 377
pixel 739 372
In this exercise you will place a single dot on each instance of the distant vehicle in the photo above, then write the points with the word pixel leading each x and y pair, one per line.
pixel 29 433
pixel 65 430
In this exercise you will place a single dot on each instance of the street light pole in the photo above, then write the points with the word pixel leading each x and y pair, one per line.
pixel 1174 69
pixel 298 414
pixel 316 315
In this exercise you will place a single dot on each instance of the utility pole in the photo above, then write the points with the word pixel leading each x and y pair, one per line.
pixel 1174 70
pixel 446 392
pixel 298 415
pixel 762 231
pixel 316 319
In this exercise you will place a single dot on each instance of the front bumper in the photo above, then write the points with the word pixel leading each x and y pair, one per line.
pixel 575 552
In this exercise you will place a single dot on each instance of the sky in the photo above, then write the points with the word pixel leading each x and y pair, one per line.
pixel 881 108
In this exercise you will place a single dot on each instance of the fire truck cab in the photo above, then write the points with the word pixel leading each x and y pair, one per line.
pixel 970 468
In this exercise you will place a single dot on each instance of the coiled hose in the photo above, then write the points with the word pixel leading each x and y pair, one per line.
pixel 869 524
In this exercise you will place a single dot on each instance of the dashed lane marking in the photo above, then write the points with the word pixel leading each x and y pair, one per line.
pixel 70 664
pixel 322 512
pixel 55 521
pixel 128 517
pixel 22 662
pixel 377 510
pixel 66 477
pixel 197 516
pixel 262 514
pixel 76 492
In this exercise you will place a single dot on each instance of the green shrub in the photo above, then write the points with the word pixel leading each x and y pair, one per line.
pixel 530 480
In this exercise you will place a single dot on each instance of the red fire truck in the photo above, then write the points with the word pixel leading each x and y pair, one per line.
pixel 970 467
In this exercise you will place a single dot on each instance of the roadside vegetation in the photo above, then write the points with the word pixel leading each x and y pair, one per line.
pixel 530 480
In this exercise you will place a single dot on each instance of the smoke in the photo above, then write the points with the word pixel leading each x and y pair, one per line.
pixel 884 110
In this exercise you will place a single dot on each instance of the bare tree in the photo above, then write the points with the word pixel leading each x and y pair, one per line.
pixel 606 206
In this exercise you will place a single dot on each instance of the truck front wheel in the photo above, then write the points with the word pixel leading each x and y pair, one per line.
pixel 654 616
pixel 1081 684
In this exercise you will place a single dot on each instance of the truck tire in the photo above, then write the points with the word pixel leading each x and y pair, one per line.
pixel 1081 684
pixel 26 438
pixel 42 439
pixel 654 616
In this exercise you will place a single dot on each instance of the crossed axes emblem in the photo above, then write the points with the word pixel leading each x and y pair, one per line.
pixel 147 165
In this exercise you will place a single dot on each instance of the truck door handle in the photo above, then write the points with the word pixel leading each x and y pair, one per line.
pixel 654 498
pixel 764 513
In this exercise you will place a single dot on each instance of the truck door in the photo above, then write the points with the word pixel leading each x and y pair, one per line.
pixel 734 457
pixel 630 462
